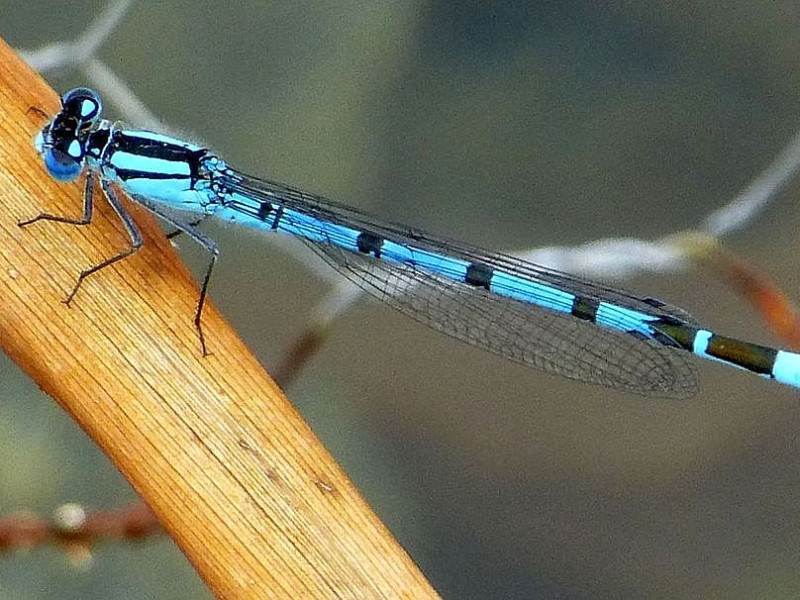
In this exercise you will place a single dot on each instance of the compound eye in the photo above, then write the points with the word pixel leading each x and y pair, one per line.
pixel 64 164
pixel 82 103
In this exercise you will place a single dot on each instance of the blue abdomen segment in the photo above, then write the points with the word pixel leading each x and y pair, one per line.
pixel 624 319
pixel 416 258
pixel 524 290
pixel 786 368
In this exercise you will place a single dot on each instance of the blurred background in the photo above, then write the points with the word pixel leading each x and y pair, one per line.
pixel 510 125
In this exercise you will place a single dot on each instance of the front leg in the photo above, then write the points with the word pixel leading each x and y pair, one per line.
pixel 88 208
pixel 130 227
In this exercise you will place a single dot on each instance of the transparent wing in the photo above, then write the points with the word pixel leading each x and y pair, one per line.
pixel 519 331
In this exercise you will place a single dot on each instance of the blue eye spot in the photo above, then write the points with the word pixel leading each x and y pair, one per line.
pixel 61 166
pixel 75 150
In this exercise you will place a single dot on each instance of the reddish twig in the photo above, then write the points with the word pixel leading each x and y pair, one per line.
pixel 72 526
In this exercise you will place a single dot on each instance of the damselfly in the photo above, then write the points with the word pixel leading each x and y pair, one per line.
pixel 525 312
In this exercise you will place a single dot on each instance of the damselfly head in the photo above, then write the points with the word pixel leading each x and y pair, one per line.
pixel 62 142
